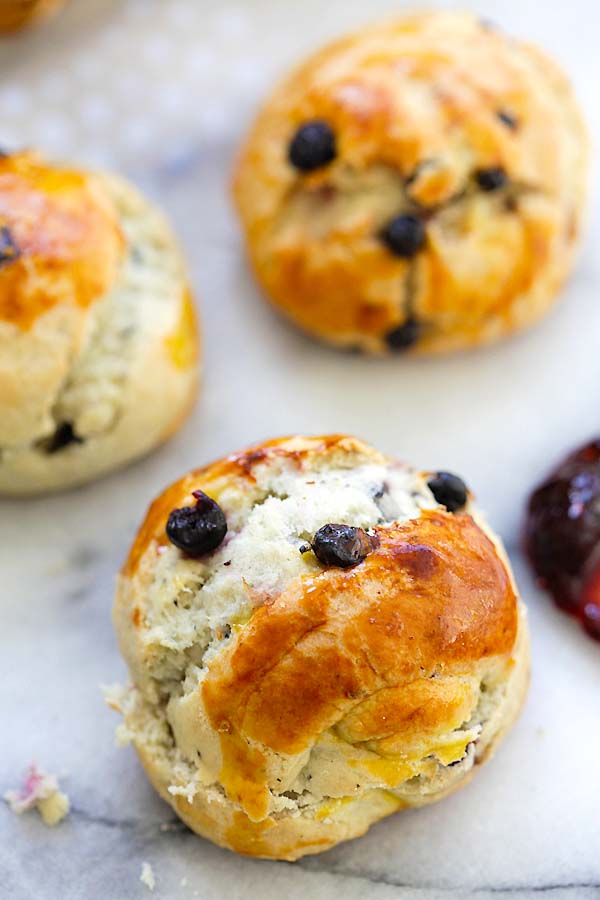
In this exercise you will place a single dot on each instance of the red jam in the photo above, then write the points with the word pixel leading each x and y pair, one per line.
pixel 562 535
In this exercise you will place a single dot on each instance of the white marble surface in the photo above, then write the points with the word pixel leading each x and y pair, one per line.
pixel 162 89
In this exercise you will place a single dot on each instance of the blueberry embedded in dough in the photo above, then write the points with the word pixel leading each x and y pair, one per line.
pixel 9 250
pixel 341 545
pixel 508 119
pixel 63 437
pixel 449 490
pixel 313 146
pixel 404 336
pixel 197 529
pixel 492 179
pixel 404 235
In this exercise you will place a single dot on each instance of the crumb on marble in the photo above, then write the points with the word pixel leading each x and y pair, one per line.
pixel 115 696
pixel 40 791
pixel 147 876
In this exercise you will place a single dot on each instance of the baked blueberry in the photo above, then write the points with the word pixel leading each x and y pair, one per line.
pixel 62 437
pixel 341 545
pixel 313 146
pixel 449 490
pixel 197 529
pixel 508 119
pixel 9 250
pixel 404 235
pixel 404 336
pixel 491 179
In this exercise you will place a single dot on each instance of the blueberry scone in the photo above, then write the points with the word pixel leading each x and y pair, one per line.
pixel 317 636
pixel 417 186
pixel 98 341
pixel 16 14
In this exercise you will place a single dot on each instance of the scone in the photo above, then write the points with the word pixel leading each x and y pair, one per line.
pixel 417 186
pixel 98 342
pixel 317 637
pixel 15 14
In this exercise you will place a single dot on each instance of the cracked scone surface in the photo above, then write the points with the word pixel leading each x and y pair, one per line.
pixel 281 705
pixel 419 108
pixel 98 340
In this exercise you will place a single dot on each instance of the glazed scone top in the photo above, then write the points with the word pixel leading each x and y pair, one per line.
pixel 420 108
pixel 15 14
pixel 61 248
pixel 60 241
pixel 277 673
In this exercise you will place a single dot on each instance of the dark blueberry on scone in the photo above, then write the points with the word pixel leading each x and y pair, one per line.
pixel 449 490
pixel 404 336
pixel 197 529
pixel 9 250
pixel 286 702
pixel 562 535
pixel 98 340
pixel 491 179
pixel 312 147
pixel 404 235
pixel 341 545
pixel 508 118
pixel 400 223
pixel 63 437
pixel 17 14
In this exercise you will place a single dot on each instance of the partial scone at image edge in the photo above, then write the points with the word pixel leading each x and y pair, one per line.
pixel 317 637
pixel 415 187
pixel 18 14
pixel 99 342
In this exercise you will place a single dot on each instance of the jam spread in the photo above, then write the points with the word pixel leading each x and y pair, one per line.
pixel 562 535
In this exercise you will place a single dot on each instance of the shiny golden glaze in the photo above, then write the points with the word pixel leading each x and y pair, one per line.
pixel 414 105
pixel 433 598
pixel 15 14
pixel 378 667
pixel 182 344
pixel 67 234
pixel 355 649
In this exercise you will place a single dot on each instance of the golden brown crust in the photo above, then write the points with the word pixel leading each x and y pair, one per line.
pixel 98 331
pixel 282 838
pixel 357 687
pixel 290 838
pixel 66 234
pixel 415 105
pixel 433 598
pixel 15 14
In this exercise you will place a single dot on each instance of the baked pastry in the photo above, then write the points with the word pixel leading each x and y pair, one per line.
pixel 98 344
pixel 317 637
pixel 15 14
pixel 416 186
